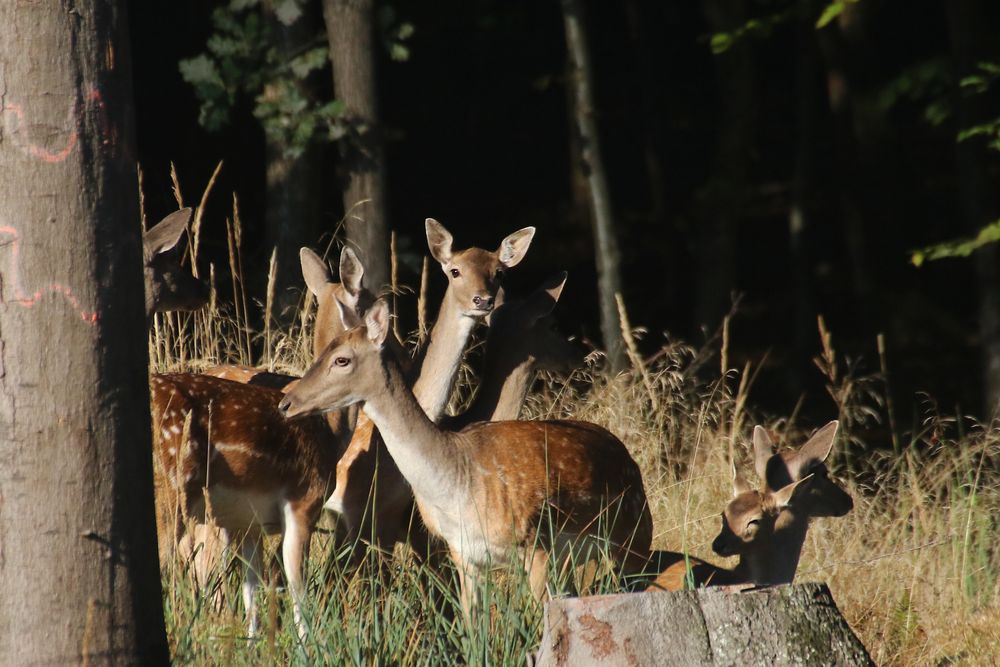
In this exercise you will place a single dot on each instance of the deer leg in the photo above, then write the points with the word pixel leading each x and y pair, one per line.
pixel 468 587
pixel 251 553
pixel 537 566
pixel 294 553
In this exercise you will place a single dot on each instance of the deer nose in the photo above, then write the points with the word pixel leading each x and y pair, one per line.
pixel 483 302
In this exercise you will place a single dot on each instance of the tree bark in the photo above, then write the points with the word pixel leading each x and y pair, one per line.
pixel 784 625
pixel 727 188
pixel 966 23
pixel 78 568
pixel 350 27
pixel 605 237
pixel 292 199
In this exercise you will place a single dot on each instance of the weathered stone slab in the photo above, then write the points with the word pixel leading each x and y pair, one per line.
pixel 783 625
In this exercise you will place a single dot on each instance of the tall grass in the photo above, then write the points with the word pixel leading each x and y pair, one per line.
pixel 914 567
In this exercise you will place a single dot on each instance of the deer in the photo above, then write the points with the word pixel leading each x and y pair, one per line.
pixel 766 528
pixel 488 490
pixel 224 446
pixel 168 286
pixel 521 341
pixel 371 496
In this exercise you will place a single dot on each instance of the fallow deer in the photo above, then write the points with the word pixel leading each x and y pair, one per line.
pixel 520 342
pixel 486 490
pixel 168 285
pixel 774 554
pixel 225 445
pixel 371 495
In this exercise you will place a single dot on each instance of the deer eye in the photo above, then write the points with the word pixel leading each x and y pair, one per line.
pixel 455 273
pixel 499 275
pixel 343 362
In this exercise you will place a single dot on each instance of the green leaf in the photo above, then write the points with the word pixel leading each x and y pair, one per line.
pixel 287 11
pixel 831 12
pixel 960 248
pixel 200 71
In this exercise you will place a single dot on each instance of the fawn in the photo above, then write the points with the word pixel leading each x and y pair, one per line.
pixel 485 490
pixel 766 528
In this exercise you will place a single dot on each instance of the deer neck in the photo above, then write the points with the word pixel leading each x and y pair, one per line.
pixel 424 454
pixel 505 385
pixel 444 353
pixel 777 562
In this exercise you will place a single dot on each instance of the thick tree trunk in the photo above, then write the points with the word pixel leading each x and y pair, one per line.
pixel 350 27
pixel 79 581
pixel 293 186
pixel 785 625
pixel 968 43
pixel 727 189
pixel 605 238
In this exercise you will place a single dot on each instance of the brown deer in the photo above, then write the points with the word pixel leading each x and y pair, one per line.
pixel 225 446
pixel 371 495
pixel 486 490
pixel 520 342
pixel 168 285
pixel 777 530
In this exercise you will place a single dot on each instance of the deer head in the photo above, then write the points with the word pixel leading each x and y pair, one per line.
pixel 349 292
pixel 475 275
pixel 349 368
pixel 823 496
pixel 525 330
pixel 749 520
pixel 168 285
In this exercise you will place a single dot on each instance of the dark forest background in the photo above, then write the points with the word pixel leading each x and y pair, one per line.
pixel 747 152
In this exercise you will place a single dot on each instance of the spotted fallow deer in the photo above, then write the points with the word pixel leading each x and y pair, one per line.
pixel 766 534
pixel 168 285
pixel 225 446
pixel 371 495
pixel 494 490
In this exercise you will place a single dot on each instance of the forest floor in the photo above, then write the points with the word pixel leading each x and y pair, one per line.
pixel 914 567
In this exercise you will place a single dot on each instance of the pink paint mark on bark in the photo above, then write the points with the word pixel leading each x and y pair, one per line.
pixel 22 297
pixel 93 97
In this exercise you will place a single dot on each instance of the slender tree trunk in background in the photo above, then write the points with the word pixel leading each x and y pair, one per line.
pixel 605 239
pixel 79 581
pixel 727 189
pixel 350 27
pixel 802 192
pixel 844 46
pixel 970 46
pixel 293 183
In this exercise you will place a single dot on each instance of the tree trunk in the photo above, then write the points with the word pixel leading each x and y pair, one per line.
pixel 784 625
pixel 350 28
pixel 968 43
pixel 293 185
pixel 79 581
pixel 605 239
pixel 727 189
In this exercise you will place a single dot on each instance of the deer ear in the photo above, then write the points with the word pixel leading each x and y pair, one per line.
pixel 817 448
pixel 514 247
pixel 348 315
pixel 439 241
pixel 351 273
pixel 543 300
pixel 377 322
pixel 740 485
pixel 783 497
pixel 165 234
pixel 314 271
pixel 763 449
